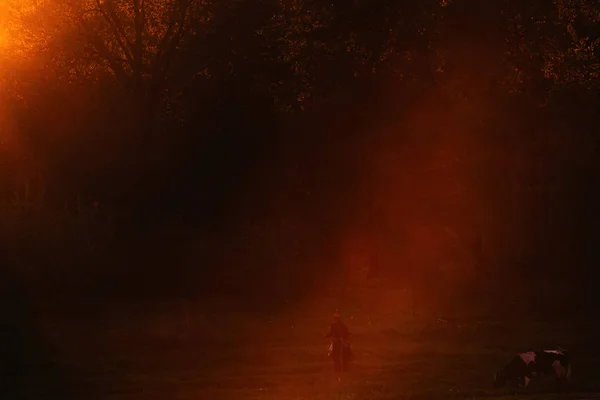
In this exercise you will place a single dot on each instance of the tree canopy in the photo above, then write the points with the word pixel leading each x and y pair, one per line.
pixel 427 119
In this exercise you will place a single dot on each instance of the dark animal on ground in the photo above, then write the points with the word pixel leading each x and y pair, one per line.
pixel 524 366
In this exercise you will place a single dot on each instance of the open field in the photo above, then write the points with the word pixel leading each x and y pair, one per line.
pixel 176 350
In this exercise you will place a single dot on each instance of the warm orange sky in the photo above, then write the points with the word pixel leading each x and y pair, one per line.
pixel 3 24
pixel 7 31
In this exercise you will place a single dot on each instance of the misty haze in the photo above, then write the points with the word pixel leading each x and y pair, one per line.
pixel 299 199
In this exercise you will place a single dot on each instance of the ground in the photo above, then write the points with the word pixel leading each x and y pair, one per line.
pixel 179 350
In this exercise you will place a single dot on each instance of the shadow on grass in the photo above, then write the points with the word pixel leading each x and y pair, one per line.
pixel 28 367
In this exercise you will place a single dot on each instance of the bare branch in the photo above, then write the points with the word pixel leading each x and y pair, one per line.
pixel 172 38
pixel 113 21
pixel 105 54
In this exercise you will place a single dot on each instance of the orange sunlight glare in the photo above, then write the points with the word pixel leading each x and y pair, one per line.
pixel 13 14
pixel 3 38
pixel 4 25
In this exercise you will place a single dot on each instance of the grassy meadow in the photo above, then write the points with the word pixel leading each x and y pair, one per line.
pixel 180 350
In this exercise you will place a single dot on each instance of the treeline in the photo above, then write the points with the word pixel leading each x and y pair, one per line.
pixel 160 143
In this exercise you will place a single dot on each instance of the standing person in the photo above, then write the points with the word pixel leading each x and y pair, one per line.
pixel 339 349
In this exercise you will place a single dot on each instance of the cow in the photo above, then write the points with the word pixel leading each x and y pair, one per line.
pixel 524 366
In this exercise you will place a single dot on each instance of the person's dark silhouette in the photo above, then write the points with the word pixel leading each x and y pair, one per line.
pixel 339 349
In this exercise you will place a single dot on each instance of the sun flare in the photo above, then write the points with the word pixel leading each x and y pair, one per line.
pixel 3 39
pixel 4 16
